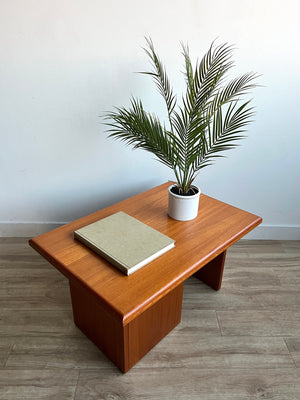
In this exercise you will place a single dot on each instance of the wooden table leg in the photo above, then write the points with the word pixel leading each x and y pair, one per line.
pixel 126 344
pixel 212 273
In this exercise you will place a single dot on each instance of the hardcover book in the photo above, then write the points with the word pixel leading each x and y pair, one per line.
pixel 124 241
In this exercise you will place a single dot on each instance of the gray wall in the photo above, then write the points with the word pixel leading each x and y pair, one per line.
pixel 63 63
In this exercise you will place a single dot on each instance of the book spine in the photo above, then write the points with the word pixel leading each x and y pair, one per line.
pixel 93 247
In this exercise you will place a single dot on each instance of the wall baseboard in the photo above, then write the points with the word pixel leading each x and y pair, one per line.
pixel 274 232
pixel 31 229
pixel 27 229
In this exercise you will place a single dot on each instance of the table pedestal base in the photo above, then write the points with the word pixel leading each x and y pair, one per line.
pixel 126 344
pixel 112 309
pixel 212 272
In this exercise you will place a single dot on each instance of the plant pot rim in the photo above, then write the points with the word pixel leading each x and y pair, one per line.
pixel 179 196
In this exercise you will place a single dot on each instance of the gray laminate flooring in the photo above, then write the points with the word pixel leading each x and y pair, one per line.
pixel 240 343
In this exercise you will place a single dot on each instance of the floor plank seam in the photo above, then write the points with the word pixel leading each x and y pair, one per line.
pixel 76 386
pixel 219 323
pixel 9 352
pixel 291 355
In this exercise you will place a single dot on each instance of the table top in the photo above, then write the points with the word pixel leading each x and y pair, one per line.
pixel 217 226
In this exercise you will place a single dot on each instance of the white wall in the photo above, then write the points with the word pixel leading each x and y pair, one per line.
pixel 64 62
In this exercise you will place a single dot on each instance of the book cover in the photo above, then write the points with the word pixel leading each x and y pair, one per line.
pixel 124 241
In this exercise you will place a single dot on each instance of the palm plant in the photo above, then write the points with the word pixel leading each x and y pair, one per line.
pixel 210 120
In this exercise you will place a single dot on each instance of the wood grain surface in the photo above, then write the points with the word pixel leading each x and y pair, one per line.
pixel 212 272
pixel 125 345
pixel 217 227
pixel 209 356
pixel 127 316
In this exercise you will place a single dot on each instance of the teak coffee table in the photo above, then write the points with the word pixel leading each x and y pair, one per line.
pixel 125 316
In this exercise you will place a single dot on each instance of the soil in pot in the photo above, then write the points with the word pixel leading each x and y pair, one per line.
pixel 193 190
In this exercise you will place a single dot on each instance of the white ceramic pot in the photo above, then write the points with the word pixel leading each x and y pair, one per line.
pixel 183 208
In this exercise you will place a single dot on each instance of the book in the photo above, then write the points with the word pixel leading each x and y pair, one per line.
pixel 124 241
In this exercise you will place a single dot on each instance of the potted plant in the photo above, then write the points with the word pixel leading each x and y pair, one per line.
pixel 210 119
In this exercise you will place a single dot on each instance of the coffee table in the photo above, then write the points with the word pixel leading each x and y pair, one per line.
pixel 125 316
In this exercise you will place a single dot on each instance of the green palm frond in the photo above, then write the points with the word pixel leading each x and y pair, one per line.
pixel 189 74
pixel 142 130
pixel 161 79
pixel 211 119
pixel 223 133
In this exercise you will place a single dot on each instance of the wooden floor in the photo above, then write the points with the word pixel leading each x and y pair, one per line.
pixel 240 343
